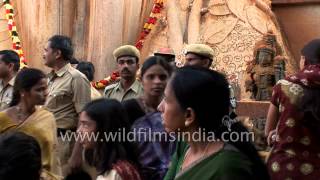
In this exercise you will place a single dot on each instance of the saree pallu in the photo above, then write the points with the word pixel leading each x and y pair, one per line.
pixel 296 153
pixel 227 163
pixel 121 170
pixel 40 125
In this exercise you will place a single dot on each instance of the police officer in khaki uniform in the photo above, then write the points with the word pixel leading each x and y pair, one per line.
pixel 128 87
pixel 199 55
pixel 202 55
pixel 168 54
pixel 69 91
pixel 9 66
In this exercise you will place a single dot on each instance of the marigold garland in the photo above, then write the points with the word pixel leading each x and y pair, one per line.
pixel 148 26
pixel 106 81
pixel 152 20
pixel 16 43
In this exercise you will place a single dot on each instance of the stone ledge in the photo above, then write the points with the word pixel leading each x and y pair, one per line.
pixel 252 109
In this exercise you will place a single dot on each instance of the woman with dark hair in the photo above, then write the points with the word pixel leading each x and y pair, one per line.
pixel 24 115
pixel 114 159
pixel 154 157
pixel 209 152
pixel 20 157
pixel 87 68
pixel 293 121
pixel 155 72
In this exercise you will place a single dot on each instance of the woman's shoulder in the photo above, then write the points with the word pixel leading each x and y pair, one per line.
pixel 44 116
pixel 227 156
pixel 8 113
pixel 4 115
pixel 110 175
pixel 126 170
pixel 5 122
pixel 231 159
pixel 290 89
pixel 151 120
pixel 42 111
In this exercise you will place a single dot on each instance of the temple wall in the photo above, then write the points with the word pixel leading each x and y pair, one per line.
pixel 96 27
pixel 299 21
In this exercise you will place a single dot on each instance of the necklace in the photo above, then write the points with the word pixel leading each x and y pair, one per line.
pixel 147 109
pixel 20 115
pixel 187 154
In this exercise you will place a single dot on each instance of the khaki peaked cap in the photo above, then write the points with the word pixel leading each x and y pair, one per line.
pixel 126 50
pixel 200 49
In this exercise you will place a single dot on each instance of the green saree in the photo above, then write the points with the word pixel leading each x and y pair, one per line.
pixel 227 164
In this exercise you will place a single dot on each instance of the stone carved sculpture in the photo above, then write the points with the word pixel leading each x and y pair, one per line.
pixel 267 67
pixel 230 27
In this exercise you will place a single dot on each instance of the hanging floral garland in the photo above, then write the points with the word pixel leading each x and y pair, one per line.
pixel 148 26
pixel 16 43
pixel 106 81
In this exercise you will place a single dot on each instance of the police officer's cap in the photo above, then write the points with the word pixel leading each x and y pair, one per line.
pixel 126 50
pixel 201 50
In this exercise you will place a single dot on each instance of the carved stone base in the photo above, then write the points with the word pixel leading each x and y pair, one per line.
pixel 253 115
pixel 252 109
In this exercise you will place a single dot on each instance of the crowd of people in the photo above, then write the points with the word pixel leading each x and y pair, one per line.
pixel 148 126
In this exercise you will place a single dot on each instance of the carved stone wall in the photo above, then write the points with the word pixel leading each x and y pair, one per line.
pixel 97 27
pixel 230 27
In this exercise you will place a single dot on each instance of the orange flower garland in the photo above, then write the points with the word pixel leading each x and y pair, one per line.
pixel 148 26
pixel 16 43
pixel 106 81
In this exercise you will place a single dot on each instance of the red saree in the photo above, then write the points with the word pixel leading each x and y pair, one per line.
pixel 296 154
pixel 126 170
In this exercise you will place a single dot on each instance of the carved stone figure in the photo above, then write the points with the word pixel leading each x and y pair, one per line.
pixel 266 69
pixel 230 27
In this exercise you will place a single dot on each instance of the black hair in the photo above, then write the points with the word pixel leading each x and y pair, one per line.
pixel 310 103
pixel 193 86
pixel 20 157
pixel 64 44
pixel 74 61
pixel 110 116
pixel 10 56
pixel 167 57
pixel 25 80
pixel 155 60
pixel 87 68
pixel 311 52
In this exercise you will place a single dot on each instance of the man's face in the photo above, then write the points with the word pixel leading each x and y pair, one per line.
pixel 195 60
pixel 127 66
pixel 49 55
pixel 5 68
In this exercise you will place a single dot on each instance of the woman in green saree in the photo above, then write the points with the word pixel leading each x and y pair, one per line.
pixel 24 115
pixel 195 109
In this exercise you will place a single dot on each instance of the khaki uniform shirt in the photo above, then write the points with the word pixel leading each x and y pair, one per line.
pixel 95 94
pixel 6 94
pixel 115 91
pixel 69 91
